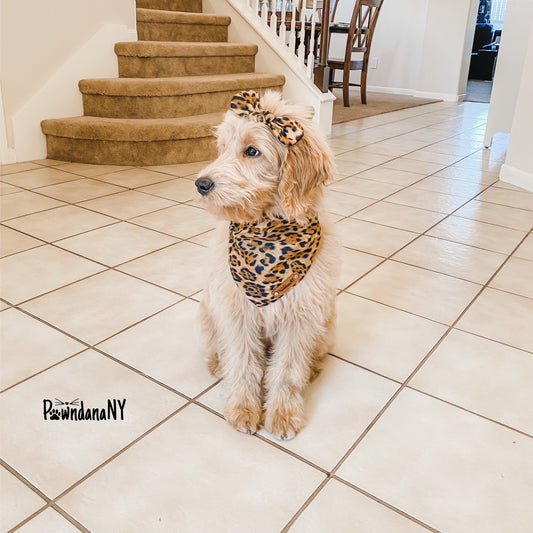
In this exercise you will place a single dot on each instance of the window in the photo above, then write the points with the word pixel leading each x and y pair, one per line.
pixel 497 12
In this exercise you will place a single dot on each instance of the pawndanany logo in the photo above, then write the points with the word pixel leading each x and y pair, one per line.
pixel 75 410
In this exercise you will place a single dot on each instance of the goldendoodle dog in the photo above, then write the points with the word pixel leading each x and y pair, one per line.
pixel 268 312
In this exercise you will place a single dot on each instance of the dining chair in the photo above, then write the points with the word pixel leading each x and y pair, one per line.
pixel 359 38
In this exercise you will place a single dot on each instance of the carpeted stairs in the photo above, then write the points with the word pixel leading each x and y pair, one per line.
pixel 174 85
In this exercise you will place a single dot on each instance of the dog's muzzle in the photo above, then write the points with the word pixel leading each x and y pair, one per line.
pixel 204 185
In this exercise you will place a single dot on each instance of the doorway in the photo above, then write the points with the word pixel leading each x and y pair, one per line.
pixel 485 49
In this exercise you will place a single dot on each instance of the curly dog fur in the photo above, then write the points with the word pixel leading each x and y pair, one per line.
pixel 266 355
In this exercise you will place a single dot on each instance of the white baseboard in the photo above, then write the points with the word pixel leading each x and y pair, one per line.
pixel 447 97
pixel 517 177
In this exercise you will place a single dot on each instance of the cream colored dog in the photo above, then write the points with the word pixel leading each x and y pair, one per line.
pixel 268 312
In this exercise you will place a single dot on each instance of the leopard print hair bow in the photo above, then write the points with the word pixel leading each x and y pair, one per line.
pixel 246 104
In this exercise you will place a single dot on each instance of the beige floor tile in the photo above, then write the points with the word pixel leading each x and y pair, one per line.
pixel 433 157
pixel 207 238
pixel 354 264
pixel 80 190
pixel 51 162
pixel 181 169
pixel 381 338
pixel 480 164
pixel 182 221
pixel 173 342
pixel 17 167
pixel 342 392
pixel 367 188
pixel 478 234
pixel 450 469
pixel 179 190
pixel 483 376
pixel 182 268
pixel 467 174
pixel 23 203
pixel 116 243
pixel 90 171
pixel 463 188
pixel 430 200
pixel 416 290
pixel 502 317
pixel 125 205
pixel 54 454
pixel 12 242
pixel 411 165
pixel 400 216
pixel 18 501
pixel 346 168
pixel 516 276
pixel 40 177
pixel 98 307
pixel 372 238
pixel 60 223
pixel 134 177
pixel 501 215
pixel 339 203
pixel 5 188
pixel 458 260
pixel 29 346
pixel 3 306
pixel 48 520
pixel 364 155
pixel 340 508
pixel 525 251
pixel 34 272
pixel 390 175
pixel 518 199
pixel 227 478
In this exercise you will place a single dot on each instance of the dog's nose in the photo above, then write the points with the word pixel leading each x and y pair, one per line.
pixel 204 185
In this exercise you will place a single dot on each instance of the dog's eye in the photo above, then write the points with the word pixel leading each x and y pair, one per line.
pixel 252 152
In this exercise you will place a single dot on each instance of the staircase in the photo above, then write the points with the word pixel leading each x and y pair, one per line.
pixel 174 85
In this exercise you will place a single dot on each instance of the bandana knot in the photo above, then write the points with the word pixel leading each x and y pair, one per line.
pixel 246 104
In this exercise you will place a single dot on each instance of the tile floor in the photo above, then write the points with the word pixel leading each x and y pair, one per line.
pixel 421 421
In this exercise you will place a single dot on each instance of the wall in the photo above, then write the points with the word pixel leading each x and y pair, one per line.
pixel 509 67
pixel 518 167
pixel 46 47
pixel 420 46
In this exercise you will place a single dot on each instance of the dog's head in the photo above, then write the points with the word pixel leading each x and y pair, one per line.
pixel 259 171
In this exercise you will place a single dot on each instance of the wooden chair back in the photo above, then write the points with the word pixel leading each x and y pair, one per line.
pixel 362 26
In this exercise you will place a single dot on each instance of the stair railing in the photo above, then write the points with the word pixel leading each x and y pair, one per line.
pixel 296 26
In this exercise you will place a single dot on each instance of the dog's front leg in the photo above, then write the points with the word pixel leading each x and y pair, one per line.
pixel 288 372
pixel 242 362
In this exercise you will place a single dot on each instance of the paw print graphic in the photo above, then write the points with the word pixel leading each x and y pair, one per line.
pixel 54 414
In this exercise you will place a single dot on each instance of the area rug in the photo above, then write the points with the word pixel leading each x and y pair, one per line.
pixel 377 103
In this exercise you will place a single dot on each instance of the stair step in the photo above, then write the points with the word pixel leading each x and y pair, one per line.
pixel 157 25
pixel 151 59
pixel 169 97
pixel 106 141
pixel 172 5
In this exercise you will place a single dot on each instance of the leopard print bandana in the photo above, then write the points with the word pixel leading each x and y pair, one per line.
pixel 246 104
pixel 269 258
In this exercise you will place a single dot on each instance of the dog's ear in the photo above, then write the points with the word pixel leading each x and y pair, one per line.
pixel 307 167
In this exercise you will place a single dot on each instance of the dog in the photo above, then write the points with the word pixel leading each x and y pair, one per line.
pixel 268 313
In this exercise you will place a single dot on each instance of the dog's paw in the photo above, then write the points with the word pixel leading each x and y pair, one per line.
pixel 244 418
pixel 284 423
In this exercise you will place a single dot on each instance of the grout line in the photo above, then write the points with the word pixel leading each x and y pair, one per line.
pixel 383 502
pixel 470 411
pixel 418 367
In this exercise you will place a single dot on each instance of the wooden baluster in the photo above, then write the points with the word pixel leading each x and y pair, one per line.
pixel 322 70
pixel 264 14
pixel 282 28
pixel 292 35
pixel 311 55
pixel 301 48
